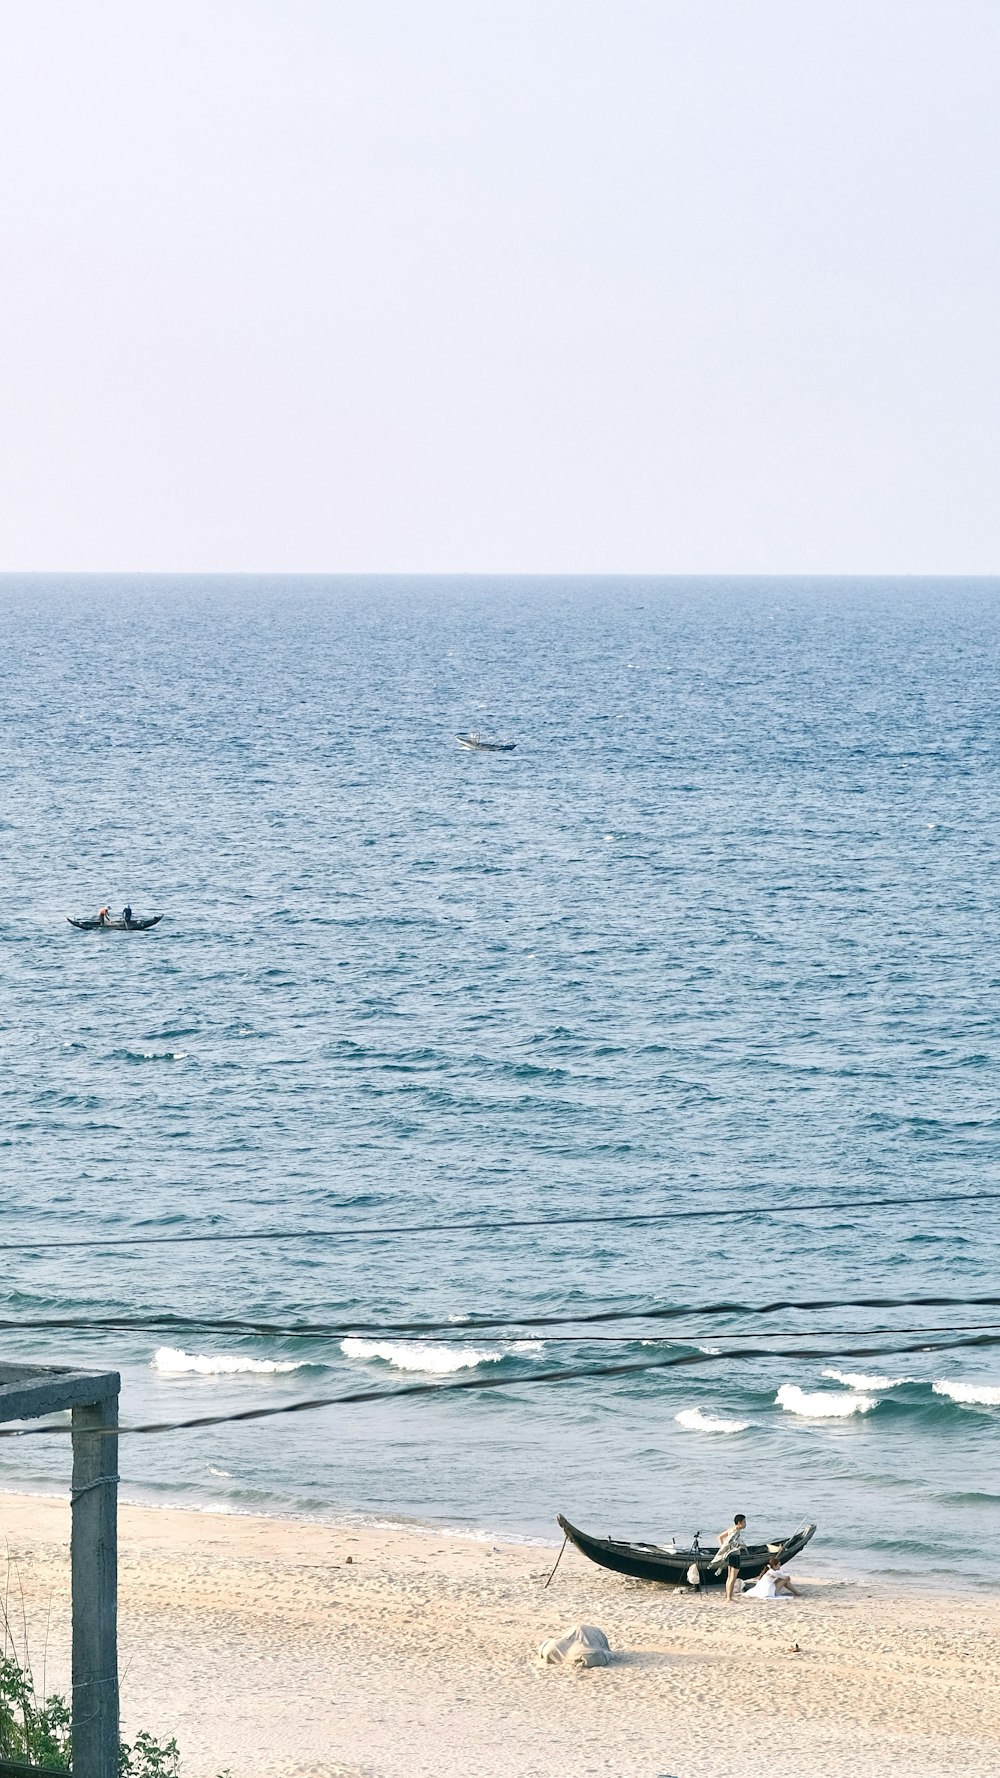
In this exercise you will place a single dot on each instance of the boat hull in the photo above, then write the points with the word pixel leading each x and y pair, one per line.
pixel 644 1561
pixel 473 746
pixel 141 923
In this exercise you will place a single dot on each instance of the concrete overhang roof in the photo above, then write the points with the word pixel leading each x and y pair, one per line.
pixel 28 1391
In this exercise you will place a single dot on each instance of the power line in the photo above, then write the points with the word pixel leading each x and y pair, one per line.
pixel 170 1322
pixel 636 1218
pixel 678 1337
pixel 577 1374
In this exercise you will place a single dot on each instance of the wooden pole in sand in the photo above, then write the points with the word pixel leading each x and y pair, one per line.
pixel 558 1559
pixel 94 1562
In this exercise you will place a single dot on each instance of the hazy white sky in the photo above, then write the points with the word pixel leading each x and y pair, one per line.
pixel 554 285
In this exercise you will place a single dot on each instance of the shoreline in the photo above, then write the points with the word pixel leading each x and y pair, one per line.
pixel 291 1648
pixel 824 1568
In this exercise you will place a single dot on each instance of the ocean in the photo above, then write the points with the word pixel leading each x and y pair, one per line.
pixel 719 936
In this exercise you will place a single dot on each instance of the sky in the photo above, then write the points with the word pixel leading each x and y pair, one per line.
pixel 513 286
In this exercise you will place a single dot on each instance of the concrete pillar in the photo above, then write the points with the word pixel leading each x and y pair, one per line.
pixel 94 1559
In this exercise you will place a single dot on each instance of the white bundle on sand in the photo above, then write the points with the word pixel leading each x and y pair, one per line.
pixel 583 1646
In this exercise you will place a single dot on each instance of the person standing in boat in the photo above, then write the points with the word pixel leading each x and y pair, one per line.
pixel 731 1543
pixel 127 915
pixel 103 915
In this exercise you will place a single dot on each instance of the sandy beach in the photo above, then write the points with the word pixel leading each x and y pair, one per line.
pixel 265 1650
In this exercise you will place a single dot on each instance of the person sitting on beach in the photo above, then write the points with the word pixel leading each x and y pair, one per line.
pixel 773 1583
pixel 731 1543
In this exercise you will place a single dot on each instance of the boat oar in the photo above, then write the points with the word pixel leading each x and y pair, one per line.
pixel 557 1560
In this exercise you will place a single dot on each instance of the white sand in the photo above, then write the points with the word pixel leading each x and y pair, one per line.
pixel 258 1646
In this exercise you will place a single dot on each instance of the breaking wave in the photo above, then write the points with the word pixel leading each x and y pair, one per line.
pixel 667 1340
pixel 822 1404
pixel 981 1395
pixel 695 1421
pixel 439 1360
pixel 858 1380
pixel 175 1363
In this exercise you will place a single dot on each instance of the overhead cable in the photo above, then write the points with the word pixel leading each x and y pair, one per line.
pixel 168 1322
pixel 676 1337
pixel 634 1218
pixel 576 1374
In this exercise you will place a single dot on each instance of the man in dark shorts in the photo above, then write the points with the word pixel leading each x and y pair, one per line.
pixel 732 1544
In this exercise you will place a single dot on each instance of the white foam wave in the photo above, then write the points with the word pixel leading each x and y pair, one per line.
pixel 981 1395
pixel 437 1359
pixel 666 1340
pixel 529 1345
pixel 695 1421
pixel 858 1380
pixel 175 1363
pixel 822 1404
pixel 415 1355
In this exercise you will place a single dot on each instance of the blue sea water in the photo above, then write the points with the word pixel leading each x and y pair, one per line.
pixel 720 934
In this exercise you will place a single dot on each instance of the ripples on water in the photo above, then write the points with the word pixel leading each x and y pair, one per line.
pixel 721 932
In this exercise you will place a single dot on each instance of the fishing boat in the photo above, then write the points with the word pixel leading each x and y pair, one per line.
pixel 664 1562
pixel 474 741
pixel 94 923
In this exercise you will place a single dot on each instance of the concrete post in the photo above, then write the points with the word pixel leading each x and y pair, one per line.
pixel 94 1560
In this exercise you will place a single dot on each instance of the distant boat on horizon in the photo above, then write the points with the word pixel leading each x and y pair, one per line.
pixel 475 743
pixel 94 923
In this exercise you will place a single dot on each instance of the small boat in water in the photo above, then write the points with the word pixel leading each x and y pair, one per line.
pixel 474 741
pixel 94 923
pixel 662 1562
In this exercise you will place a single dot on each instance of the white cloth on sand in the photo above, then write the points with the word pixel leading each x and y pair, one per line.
pixel 765 1587
pixel 584 1646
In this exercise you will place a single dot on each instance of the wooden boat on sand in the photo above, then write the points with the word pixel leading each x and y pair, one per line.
pixel 652 1561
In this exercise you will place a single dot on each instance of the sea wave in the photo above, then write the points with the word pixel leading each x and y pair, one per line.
pixel 439 1360
pixel 668 1340
pixel 172 1362
pixel 980 1395
pixel 150 1055
pixel 860 1380
pixel 822 1404
pixel 695 1421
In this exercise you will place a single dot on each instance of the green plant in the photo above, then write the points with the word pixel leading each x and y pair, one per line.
pixel 39 1732
pixel 34 1730
pixel 147 1758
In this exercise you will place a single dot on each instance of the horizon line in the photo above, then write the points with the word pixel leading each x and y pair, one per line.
pixel 660 574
